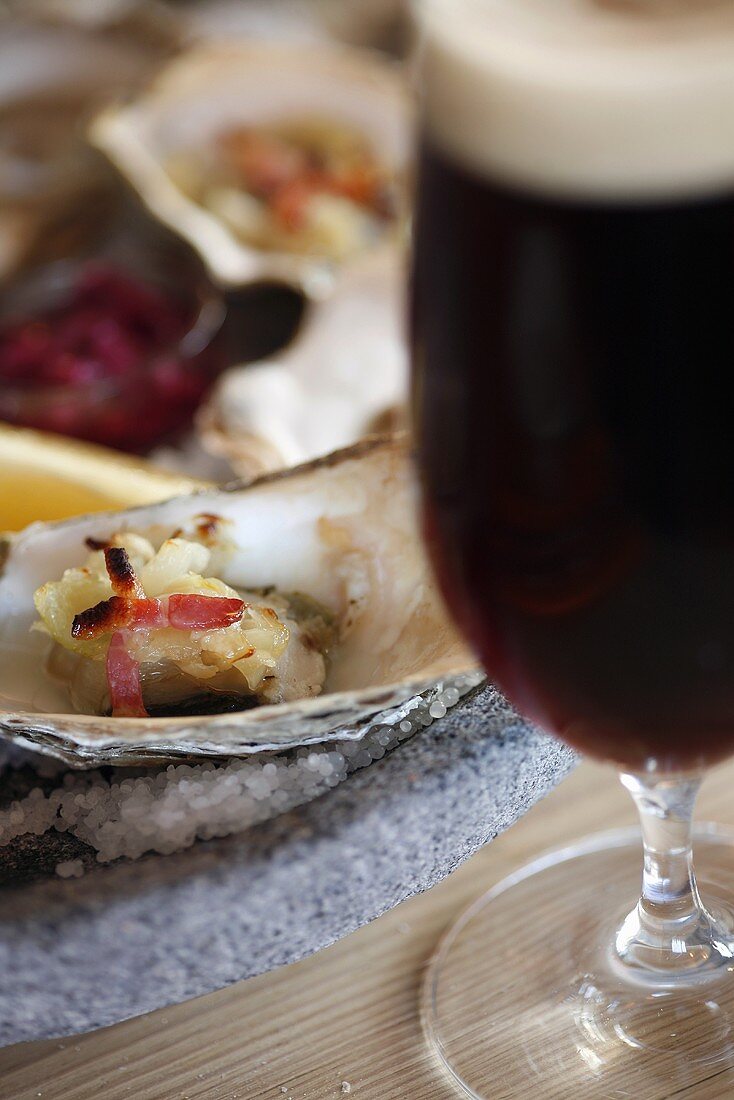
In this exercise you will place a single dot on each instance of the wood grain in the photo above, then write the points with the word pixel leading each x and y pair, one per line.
pixel 347 1015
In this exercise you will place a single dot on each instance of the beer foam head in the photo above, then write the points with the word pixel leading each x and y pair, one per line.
pixel 617 99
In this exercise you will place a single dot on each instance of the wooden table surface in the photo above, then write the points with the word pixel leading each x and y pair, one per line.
pixel 343 1022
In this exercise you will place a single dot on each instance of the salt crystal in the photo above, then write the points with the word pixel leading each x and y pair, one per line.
pixel 168 810
pixel 70 868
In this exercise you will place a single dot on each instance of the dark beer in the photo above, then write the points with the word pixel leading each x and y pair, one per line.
pixel 574 406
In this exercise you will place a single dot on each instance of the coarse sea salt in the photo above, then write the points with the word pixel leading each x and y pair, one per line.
pixel 70 868
pixel 165 810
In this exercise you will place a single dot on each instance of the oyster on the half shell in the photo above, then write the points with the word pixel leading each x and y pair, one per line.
pixel 341 531
pixel 220 88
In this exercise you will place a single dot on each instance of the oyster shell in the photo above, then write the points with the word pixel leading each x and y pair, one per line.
pixel 384 24
pixel 50 76
pixel 215 87
pixel 346 372
pixel 341 530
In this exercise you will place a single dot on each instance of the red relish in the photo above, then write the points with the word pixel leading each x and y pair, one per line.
pixel 107 362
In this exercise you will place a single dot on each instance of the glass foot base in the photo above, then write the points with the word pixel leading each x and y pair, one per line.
pixel 524 997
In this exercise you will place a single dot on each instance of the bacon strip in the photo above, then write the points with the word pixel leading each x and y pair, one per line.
pixel 207 524
pixel 121 573
pixel 112 614
pixel 194 612
pixel 148 614
pixel 184 611
pixel 123 678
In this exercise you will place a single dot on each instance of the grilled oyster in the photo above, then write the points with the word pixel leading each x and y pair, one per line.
pixel 140 632
pixel 341 531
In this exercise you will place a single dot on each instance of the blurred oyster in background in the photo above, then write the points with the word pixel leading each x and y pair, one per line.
pixel 53 75
pixel 343 378
pixel 271 20
pixel 381 24
pixel 257 88
pixel 309 185
pixel 282 169
pixel 152 21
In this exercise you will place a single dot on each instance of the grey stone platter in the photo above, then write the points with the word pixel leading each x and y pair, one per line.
pixel 134 936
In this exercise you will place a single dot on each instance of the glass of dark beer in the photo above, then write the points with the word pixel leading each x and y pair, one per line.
pixel 573 394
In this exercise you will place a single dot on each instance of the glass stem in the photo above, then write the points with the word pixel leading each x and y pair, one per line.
pixel 670 932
